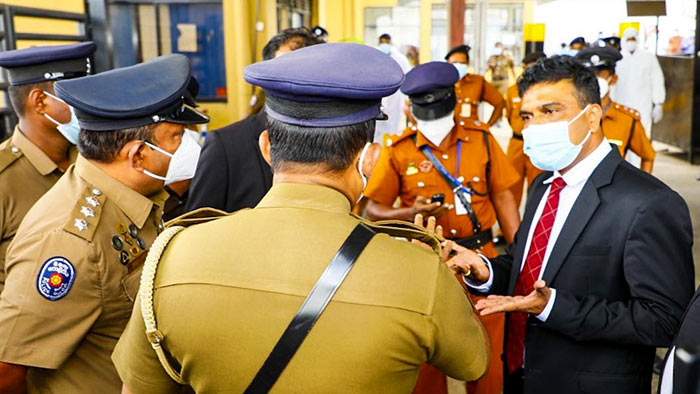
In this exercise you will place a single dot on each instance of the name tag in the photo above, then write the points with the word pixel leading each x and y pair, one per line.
pixel 460 209
pixel 466 111
pixel 616 142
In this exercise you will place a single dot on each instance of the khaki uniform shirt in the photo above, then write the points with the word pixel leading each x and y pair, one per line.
pixel 227 289
pixel 404 172
pixel 72 276
pixel 26 173
pixel 623 127
pixel 470 91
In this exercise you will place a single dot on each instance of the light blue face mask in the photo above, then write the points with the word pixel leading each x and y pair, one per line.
pixel 548 145
pixel 70 130
pixel 462 69
pixel 386 48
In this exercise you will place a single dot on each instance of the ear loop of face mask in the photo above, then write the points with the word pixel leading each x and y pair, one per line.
pixel 359 168
pixel 588 135
pixel 170 155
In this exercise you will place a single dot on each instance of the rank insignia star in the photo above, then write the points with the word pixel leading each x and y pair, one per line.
pixel 92 201
pixel 81 224
pixel 87 212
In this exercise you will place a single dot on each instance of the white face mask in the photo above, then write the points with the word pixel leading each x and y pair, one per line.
pixel 604 86
pixel 437 129
pixel 70 130
pixel 629 46
pixel 183 163
pixel 359 169
pixel 386 48
pixel 549 146
pixel 462 69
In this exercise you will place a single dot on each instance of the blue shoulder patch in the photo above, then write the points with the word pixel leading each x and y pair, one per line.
pixel 55 278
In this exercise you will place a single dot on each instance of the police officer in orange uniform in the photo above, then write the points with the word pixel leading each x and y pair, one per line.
pixel 471 89
pixel 515 154
pixel 453 169
pixel 621 125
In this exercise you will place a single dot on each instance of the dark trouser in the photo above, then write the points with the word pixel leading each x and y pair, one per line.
pixel 514 382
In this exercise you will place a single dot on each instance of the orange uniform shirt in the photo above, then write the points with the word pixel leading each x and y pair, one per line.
pixel 517 157
pixel 404 172
pixel 623 127
pixel 470 91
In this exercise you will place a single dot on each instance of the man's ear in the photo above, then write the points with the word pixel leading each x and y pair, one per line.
pixel 613 80
pixel 594 117
pixel 264 144
pixel 371 158
pixel 36 101
pixel 133 152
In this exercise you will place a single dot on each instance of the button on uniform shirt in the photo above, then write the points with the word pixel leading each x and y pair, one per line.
pixel 72 275
pixel 398 308
pixel 522 164
pixel 404 172
pixel 470 91
pixel 26 173
pixel 623 127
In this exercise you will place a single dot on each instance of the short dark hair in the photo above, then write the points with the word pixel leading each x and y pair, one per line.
pixel 385 36
pixel 18 94
pixel 610 68
pixel 104 146
pixel 334 148
pixel 272 46
pixel 559 68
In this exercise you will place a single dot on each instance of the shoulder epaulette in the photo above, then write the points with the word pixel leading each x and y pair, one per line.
pixel 8 154
pixel 198 216
pixel 86 213
pixel 407 133
pixel 474 124
pixel 629 111
pixel 399 228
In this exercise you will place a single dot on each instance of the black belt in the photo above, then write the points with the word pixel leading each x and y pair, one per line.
pixel 477 240
pixel 518 136
pixel 311 310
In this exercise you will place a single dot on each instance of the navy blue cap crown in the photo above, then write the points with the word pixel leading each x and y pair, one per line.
pixel 326 85
pixel 598 56
pixel 429 77
pixel 47 63
pixel 158 90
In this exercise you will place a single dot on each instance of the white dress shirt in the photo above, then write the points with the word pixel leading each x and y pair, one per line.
pixel 667 378
pixel 575 179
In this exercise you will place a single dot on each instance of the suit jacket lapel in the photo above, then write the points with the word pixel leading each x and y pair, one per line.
pixel 533 201
pixel 581 213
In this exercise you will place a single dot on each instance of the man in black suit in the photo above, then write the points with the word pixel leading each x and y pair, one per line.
pixel 231 173
pixel 688 338
pixel 601 268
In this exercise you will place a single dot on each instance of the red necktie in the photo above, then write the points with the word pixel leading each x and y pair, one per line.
pixel 517 321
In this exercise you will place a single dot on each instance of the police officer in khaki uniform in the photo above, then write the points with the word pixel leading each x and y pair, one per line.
pixel 458 162
pixel 472 89
pixel 398 307
pixel 74 266
pixel 517 157
pixel 621 125
pixel 43 143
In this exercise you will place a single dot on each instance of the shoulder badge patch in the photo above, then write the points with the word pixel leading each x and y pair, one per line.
pixel 55 278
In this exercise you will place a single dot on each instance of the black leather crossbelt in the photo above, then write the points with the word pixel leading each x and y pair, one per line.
pixel 311 310
pixel 476 241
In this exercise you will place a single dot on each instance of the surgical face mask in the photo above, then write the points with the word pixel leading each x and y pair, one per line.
pixel 629 45
pixel 359 169
pixel 436 130
pixel 183 162
pixel 70 130
pixel 548 145
pixel 604 86
pixel 386 48
pixel 462 69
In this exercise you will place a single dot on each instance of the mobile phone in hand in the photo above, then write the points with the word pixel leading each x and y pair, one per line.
pixel 437 198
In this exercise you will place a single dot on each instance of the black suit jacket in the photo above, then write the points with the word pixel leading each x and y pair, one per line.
pixel 688 337
pixel 623 270
pixel 231 173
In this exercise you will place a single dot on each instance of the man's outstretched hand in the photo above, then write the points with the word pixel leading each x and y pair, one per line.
pixel 533 303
